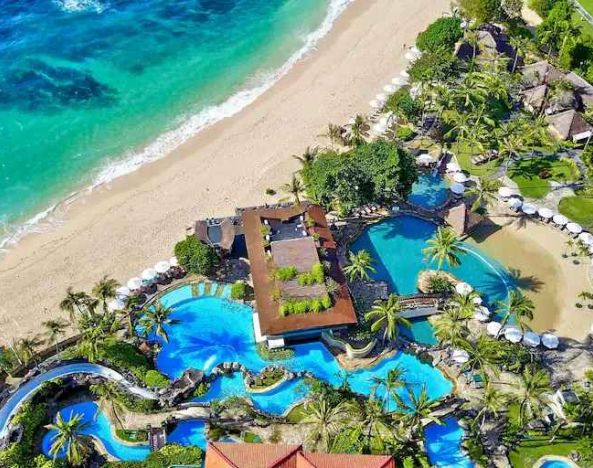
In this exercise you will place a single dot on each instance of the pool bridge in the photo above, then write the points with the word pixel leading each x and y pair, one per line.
pixel 420 305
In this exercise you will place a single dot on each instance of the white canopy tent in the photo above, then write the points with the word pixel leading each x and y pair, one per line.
pixel 477 300
pixel 460 356
pixel 453 167
pixel 528 208
pixel 122 291
pixel 134 283
pixel 375 104
pixel 173 262
pixel 550 341
pixel 574 228
pixel 545 213
pixel 424 159
pixel 390 88
pixel 586 238
pixel 515 203
pixel 460 177
pixel 560 220
pixel 116 304
pixel 149 274
pixel 381 97
pixel 531 339
pixel 513 334
pixel 162 267
pixel 505 192
pixel 493 328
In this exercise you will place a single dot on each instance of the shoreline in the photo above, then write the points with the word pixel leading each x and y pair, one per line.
pixel 134 221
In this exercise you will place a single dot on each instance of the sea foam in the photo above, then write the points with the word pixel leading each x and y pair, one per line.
pixel 169 141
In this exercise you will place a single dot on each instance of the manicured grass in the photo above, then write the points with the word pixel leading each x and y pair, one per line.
pixel 132 435
pixel 577 18
pixel 528 452
pixel 528 174
pixel 251 438
pixel 587 5
pixel 579 209
pixel 465 154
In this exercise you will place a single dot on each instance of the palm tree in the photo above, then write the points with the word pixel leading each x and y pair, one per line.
pixel 533 393
pixel 518 306
pixel 444 247
pixel 472 38
pixel 294 188
pixel 334 133
pixel 129 313
pixel 27 348
pixel 55 329
pixel 387 316
pixel 463 306
pixel 361 263
pixel 420 409
pixel 69 438
pixel 451 329
pixel 324 421
pixel 357 130
pixel 308 157
pixel 75 302
pixel 110 401
pixel 489 402
pixel 484 192
pixel 154 320
pixel 372 425
pixel 105 290
pixel 569 244
pixel 389 385
pixel 482 356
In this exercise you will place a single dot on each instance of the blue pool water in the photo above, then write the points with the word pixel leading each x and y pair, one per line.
pixel 396 245
pixel 100 428
pixel 443 444
pixel 188 433
pixel 555 464
pixel 431 190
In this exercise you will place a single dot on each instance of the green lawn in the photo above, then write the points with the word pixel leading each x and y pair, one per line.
pixel 586 27
pixel 465 154
pixel 526 454
pixel 579 209
pixel 533 176
pixel 587 5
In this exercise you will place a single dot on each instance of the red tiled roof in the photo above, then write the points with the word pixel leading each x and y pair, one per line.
pixel 342 460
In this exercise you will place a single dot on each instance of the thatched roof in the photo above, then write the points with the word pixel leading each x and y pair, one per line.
pixel 582 88
pixel 569 125
pixel 539 73
pixel 492 42
pixel 461 218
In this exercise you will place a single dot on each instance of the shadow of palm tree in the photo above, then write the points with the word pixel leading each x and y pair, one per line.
pixel 530 283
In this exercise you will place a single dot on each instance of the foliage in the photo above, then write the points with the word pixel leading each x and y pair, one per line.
pixel 386 316
pixel 542 7
pixel 526 454
pixel 404 105
pixel 444 247
pixel 579 209
pixel 169 455
pixel 32 417
pixel 70 437
pixel 440 284
pixel 195 256
pixel 154 319
pixel 302 306
pixel 404 133
pixel 285 273
pixel 132 435
pixel 441 34
pixel 438 65
pixel 267 378
pixel 238 290
pixel 155 379
pixel 274 354
pixel 315 276
pixel 533 175
pixel 482 11
pixel 359 266
pixel 201 390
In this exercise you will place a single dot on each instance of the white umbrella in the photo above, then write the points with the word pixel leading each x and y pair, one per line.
pixel 481 317
pixel 477 300
pixel 453 167
pixel 493 328
pixel 379 129
pixel 460 355
pixel 381 97
pixel 515 203
pixel 162 266
pixel 528 208
pixel 513 334
pixel 545 213
pixel 505 192
pixel 559 219
pixel 384 120
pixel 149 274
pixel 574 228
pixel 586 238
pixel 550 341
pixel 173 262
pixel 398 81
pixel 484 310
pixel 424 159
pixel 122 291
pixel 457 188
pixel 375 104
pixel 410 56
pixel 460 177
pixel 134 283
pixel 531 339
pixel 463 288
pixel 416 50
pixel 390 88
pixel 404 74
pixel 115 304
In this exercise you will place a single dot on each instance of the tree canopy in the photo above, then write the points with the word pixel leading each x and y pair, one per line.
pixel 195 256
pixel 441 34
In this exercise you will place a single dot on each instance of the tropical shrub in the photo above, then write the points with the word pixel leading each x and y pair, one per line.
pixel 280 354
pixel 302 306
pixel 404 133
pixel 169 455
pixel 195 256
pixel 542 7
pixel 482 11
pixel 441 34
pixel 433 66
pixel 155 379
pixel 238 290
pixel 286 273
pixel 201 390
pixel 439 284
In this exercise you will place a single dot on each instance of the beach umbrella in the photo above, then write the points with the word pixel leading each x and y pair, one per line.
pixel 134 283
pixel 513 334
pixel 550 341
pixel 528 208
pixel 460 355
pixel 173 262
pixel 515 203
pixel 484 310
pixel 460 177
pixel 531 339
pixel 505 192
pixel 390 88
pixel 545 213
pixel 398 81
pixel 457 188
pixel 453 167
pixel 384 120
pixel 404 74
pixel 375 104
pixel 481 316
pixel 477 300
pixel 493 328
pixel 149 274
pixel 122 291
pixel 379 129
pixel 574 228
pixel 410 56
pixel 115 304
pixel 463 288
pixel 162 266
pixel 560 220
pixel 424 159
pixel 586 238
pixel 415 50
pixel 381 97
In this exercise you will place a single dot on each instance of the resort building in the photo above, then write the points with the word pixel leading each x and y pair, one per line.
pixel 219 233
pixel 569 125
pixel 491 43
pixel 300 290
pixel 241 455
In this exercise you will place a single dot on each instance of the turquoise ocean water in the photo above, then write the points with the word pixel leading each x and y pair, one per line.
pixel 92 89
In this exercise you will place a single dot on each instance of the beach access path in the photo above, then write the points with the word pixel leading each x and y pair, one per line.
pixel 134 222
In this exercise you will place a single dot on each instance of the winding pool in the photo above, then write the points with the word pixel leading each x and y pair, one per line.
pixel 430 190
pixel 443 444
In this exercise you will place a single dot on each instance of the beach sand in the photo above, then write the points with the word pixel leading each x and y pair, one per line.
pixel 533 253
pixel 121 229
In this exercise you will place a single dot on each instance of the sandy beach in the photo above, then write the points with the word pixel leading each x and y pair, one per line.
pixel 120 229
pixel 532 251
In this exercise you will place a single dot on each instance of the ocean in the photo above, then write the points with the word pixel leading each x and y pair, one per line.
pixel 90 90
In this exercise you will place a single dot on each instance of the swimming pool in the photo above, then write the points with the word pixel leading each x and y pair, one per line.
pixel 443 444
pixel 430 190
pixel 396 245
